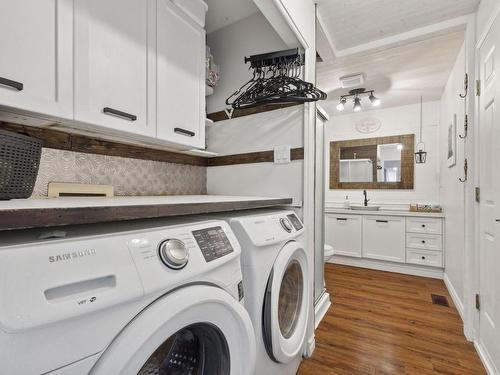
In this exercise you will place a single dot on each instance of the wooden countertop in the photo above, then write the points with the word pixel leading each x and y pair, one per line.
pixel 49 212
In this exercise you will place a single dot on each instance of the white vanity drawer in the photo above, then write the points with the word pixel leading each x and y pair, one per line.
pixel 424 225
pixel 343 233
pixel 424 241
pixel 384 238
pixel 424 257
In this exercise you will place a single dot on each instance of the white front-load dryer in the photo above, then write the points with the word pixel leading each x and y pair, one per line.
pixel 161 297
pixel 275 282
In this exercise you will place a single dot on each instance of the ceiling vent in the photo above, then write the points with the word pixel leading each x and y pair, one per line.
pixel 353 80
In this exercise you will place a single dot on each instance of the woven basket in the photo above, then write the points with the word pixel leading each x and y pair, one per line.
pixel 19 162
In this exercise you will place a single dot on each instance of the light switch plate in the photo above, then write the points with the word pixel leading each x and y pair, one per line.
pixel 282 154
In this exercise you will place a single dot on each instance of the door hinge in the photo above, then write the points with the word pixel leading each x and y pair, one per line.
pixel 478 302
pixel 478 194
pixel 478 87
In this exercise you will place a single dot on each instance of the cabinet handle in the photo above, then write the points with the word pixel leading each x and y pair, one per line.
pixel 114 112
pixel 497 220
pixel 15 85
pixel 423 258
pixel 423 241
pixel 341 219
pixel 423 225
pixel 185 132
pixel 382 221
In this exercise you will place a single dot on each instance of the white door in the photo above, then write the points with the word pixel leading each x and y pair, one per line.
pixel 181 77
pixel 286 304
pixel 343 233
pixel 195 330
pixel 36 56
pixel 489 133
pixel 114 65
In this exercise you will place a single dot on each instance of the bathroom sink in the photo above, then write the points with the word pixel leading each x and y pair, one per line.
pixel 365 208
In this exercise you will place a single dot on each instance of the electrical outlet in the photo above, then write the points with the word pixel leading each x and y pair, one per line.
pixel 282 154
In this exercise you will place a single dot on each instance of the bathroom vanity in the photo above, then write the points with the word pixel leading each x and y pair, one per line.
pixel 396 240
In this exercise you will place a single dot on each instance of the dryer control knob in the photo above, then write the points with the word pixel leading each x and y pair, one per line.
pixel 285 223
pixel 174 254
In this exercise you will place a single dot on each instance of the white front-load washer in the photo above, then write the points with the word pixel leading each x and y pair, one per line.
pixel 162 297
pixel 275 282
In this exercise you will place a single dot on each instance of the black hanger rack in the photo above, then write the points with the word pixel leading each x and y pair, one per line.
pixel 275 81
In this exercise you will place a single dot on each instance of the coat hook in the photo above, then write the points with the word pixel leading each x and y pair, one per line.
pixel 466 170
pixel 466 127
pixel 466 86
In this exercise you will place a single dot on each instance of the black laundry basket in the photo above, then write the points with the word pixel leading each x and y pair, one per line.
pixel 19 163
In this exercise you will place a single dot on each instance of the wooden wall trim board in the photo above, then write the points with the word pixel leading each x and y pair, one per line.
pixel 222 115
pixel 253 157
pixel 80 143
pixel 407 163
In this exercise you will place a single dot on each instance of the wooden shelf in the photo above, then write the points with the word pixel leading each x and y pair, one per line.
pixel 50 212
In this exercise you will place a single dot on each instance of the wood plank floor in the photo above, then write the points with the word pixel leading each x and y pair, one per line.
pixel 385 323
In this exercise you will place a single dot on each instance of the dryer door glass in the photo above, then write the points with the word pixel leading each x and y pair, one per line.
pixel 199 349
pixel 290 299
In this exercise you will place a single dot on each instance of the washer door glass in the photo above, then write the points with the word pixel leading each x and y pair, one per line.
pixel 290 298
pixel 199 349
pixel 285 305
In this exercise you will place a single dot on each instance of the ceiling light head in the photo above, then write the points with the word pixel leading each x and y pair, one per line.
pixel 375 101
pixel 357 104
pixel 341 105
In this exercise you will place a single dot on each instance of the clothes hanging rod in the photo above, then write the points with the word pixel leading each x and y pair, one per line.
pixel 268 59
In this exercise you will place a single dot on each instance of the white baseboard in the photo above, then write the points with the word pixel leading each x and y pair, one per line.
pixel 380 265
pixel 321 308
pixel 485 358
pixel 454 296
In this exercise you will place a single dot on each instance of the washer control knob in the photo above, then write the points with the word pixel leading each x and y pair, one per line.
pixel 285 223
pixel 174 254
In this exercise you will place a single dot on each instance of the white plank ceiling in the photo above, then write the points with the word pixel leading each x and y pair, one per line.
pixel 399 73
pixel 353 22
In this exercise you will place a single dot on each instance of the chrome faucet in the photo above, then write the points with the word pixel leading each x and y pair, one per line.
pixel 366 198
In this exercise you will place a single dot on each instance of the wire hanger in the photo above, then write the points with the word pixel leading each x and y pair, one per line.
pixel 275 80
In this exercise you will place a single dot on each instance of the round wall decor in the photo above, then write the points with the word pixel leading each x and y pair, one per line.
pixel 368 125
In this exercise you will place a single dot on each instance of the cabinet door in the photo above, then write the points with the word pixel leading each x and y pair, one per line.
pixel 343 233
pixel 36 57
pixel 181 77
pixel 384 238
pixel 114 48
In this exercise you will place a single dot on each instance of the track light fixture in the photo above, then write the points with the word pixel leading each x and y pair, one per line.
pixel 356 95
pixel 341 105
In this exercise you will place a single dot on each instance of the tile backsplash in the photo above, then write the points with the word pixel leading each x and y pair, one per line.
pixel 128 176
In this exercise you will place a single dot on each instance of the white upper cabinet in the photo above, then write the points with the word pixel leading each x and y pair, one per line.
pixel 114 65
pixel 36 57
pixel 181 77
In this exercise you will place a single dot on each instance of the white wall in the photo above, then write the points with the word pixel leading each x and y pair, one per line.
pixel 230 45
pixel 452 191
pixel 395 121
pixel 485 13
pixel 260 132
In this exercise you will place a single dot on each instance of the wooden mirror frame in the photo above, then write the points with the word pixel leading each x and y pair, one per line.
pixel 407 163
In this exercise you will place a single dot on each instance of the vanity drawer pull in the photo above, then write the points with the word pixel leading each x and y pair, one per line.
pixel 8 82
pixel 423 225
pixel 423 241
pixel 115 112
pixel 423 257
pixel 382 221
pixel 341 219
pixel 185 132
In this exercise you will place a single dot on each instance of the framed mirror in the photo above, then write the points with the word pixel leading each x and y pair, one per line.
pixel 373 163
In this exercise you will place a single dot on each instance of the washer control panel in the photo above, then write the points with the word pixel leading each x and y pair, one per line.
pixel 297 224
pixel 213 243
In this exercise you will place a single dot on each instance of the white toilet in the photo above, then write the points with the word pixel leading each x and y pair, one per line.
pixel 328 253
